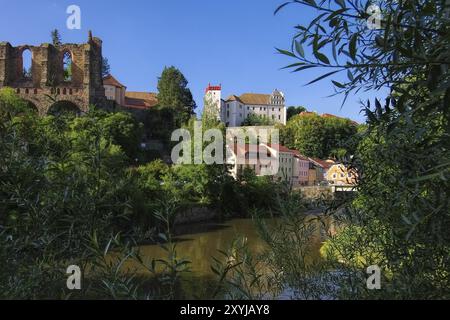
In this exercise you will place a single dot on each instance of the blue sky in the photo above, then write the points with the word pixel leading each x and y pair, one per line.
pixel 228 42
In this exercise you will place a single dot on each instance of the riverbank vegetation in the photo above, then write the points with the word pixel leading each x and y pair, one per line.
pixel 72 192
pixel 400 217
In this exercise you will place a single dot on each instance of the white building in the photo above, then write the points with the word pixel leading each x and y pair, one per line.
pixel 292 167
pixel 235 109
pixel 114 90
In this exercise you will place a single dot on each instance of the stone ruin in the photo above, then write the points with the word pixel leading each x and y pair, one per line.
pixel 46 85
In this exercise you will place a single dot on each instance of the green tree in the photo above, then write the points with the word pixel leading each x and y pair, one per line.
pixel 173 93
pixel 124 130
pixel 292 111
pixel 106 68
pixel 256 120
pixel 56 37
pixel 64 191
pixel 307 134
pixel 403 158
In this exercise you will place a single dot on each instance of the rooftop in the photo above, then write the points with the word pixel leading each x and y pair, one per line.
pixel 140 100
pixel 109 80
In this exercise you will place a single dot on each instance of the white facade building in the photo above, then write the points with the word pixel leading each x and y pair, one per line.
pixel 292 167
pixel 235 109
pixel 114 90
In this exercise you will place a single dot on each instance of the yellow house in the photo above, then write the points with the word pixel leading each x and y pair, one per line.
pixel 339 174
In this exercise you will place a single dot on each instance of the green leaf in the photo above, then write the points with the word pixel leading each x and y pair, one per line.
pixel 304 68
pixel 321 57
pixel 352 46
pixel 299 49
pixel 323 77
pixel 341 3
pixel 338 84
pixel 297 64
pixel 350 75
pixel 287 53
pixel 281 7
pixel 311 2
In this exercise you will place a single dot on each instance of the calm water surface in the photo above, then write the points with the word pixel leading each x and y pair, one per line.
pixel 199 242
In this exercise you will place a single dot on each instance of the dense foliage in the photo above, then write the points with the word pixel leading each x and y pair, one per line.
pixel 173 93
pixel 293 111
pixel 318 136
pixel 70 193
pixel 256 120
pixel 402 206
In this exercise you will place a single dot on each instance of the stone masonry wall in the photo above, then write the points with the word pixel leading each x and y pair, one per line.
pixel 47 85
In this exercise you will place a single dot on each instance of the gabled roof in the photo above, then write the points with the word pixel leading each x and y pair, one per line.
pixel 255 99
pixel 307 113
pixel 297 154
pixel 109 80
pixel 326 164
pixel 280 148
pixel 140 100
pixel 284 149
pixel 233 98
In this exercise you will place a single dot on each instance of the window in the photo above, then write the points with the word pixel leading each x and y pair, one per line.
pixel 342 175
pixel 334 176
pixel 67 66
pixel 349 175
pixel 27 62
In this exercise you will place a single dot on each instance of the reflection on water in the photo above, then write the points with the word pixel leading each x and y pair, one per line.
pixel 200 242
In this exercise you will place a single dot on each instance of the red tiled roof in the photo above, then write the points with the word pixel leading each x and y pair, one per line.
pixel 280 148
pixel 307 113
pixel 109 80
pixel 140 100
pixel 323 163
pixel 299 155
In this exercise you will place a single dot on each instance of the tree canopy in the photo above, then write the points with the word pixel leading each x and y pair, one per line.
pixel 56 37
pixel 293 111
pixel 403 158
pixel 173 92
pixel 319 137
pixel 256 120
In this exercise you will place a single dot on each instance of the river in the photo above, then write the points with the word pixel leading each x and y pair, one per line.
pixel 198 243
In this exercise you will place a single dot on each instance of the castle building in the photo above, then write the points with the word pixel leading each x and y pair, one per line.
pixel 234 110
